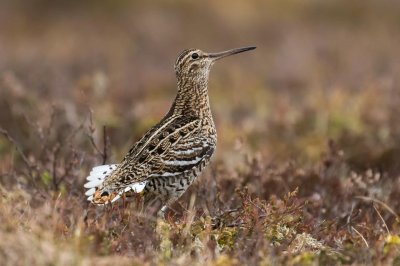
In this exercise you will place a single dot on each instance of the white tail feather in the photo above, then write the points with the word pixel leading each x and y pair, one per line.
pixel 100 172
pixel 96 178
pixel 104 167
pixel 136 187
pixel 90 192
pixel 93 184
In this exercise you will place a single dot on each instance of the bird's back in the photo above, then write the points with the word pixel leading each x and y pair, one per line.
pixel 166 159
pixel 175 145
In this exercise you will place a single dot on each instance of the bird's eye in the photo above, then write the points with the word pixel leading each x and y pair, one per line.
pixel 195 55
pixel 104 194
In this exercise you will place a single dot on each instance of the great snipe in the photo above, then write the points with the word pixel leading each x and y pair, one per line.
pixel 167 159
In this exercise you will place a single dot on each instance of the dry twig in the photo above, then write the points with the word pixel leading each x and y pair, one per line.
pixel 383 221
pixel 380 203
pixel 362 237
pixel 25 159
pixel 92 129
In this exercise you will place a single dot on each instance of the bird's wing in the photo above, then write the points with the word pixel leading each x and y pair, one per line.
pixel 172 150
pixel 185 155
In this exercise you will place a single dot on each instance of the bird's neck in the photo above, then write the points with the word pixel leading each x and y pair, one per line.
pixel 192 98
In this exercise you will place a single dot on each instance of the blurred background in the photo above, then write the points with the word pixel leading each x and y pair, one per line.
pixel 322 69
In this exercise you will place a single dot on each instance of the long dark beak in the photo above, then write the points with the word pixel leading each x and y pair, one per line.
pixel 217 56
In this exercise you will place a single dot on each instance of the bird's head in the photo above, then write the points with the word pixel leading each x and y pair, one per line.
pixel 196 64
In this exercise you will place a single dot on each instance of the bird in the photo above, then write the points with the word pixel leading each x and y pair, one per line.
pixel 171 154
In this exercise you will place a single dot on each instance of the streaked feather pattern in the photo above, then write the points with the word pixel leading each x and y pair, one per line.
pixel 167 159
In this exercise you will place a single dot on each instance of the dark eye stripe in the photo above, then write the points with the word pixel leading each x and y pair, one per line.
pixel 183 57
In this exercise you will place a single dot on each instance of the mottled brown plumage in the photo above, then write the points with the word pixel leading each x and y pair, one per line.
pixel 167 159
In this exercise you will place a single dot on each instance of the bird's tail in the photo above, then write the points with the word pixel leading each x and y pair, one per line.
pixel 96 178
